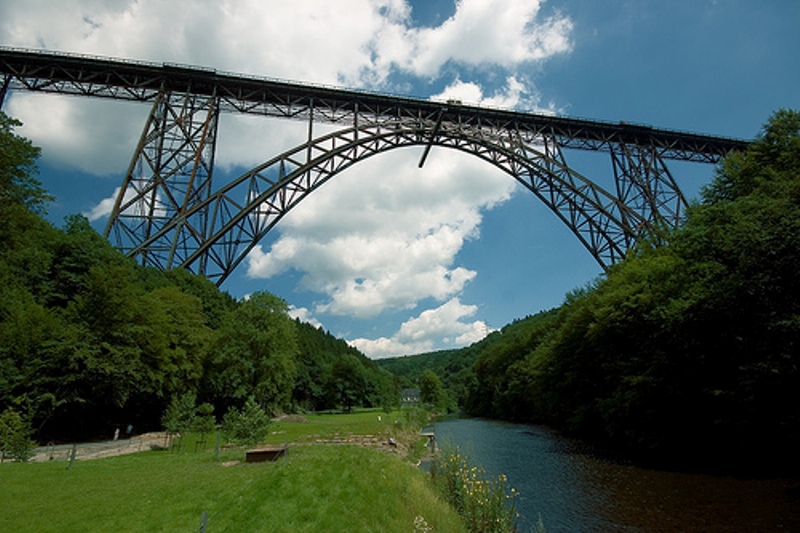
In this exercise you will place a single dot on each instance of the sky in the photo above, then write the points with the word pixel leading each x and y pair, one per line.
pixel 395 259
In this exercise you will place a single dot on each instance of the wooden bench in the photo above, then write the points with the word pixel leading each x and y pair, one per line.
pixel 265 453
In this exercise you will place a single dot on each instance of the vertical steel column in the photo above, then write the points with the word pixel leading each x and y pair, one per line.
pixel 4 89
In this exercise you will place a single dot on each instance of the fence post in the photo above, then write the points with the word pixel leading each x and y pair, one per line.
pixel 72 456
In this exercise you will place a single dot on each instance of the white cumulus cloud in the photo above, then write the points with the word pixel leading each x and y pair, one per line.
pixel 445 325
pixel 385 234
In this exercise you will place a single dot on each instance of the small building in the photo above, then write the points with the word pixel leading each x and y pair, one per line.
pixel 409 397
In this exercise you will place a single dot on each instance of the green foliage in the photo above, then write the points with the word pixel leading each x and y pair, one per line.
pixel 17 169
pixel 503 372
pixel 15 436
pixel 347 384
pixel 203 422
pixel 183 416
pixel 484 504
pixel 431 391
pixel 248 426
pixel 686 350
pixel 322 380
pixel 180 415
pixel 453 367
pixel 254 353
pixel 89 340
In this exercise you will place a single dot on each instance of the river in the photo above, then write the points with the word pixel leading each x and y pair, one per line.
pixel 573 489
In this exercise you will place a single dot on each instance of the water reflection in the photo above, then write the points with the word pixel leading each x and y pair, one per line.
pixel 575 490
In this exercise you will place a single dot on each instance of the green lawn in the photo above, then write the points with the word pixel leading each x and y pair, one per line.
pixel 325 426
pixel 315 488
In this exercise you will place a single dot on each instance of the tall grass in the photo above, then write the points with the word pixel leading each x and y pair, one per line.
pixel 484 504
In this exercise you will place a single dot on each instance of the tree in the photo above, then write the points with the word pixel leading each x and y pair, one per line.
pixel 248 426
pixel 187 338
pixel 691 348
pixel 254 353
pixel 17 169
pixel 347 384
pixel 179 416
pixel 15 436
pixel 204 421
pixel 431 391
pixel 126 340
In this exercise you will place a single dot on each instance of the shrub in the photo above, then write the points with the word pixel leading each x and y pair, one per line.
pixel 15 436
pixel 247 427
pixel 482 503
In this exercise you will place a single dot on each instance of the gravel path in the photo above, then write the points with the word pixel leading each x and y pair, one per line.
pixel 98 450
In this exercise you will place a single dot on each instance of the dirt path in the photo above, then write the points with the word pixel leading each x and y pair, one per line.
pixel 158 440
pixel 98 450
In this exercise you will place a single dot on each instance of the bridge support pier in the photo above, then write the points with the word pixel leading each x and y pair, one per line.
pixel 170 173
pixel 4 89
pixel 645 184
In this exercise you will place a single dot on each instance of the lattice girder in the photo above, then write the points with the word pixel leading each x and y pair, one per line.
pixel 243 211
pixel 168 215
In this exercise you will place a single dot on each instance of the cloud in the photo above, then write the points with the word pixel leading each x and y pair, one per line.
pixel 95 136
pixel 304 315
pixel 348 42
pixel 385 234
pixel 514 95
pixel 104 208
pixel 442 327
pixel 488 32
pixel 144 204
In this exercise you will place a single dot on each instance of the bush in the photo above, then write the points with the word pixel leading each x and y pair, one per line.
pixel 184 415
pixel 247 427
pixel 15 436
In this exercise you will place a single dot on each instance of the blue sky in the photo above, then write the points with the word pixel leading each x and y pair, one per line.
pixel 395 259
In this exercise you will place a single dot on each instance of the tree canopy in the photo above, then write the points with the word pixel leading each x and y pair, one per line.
pixel 89 340
pixel 686 350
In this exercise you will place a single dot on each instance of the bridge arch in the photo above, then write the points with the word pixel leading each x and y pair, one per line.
pixel 167 215
pixel 240 214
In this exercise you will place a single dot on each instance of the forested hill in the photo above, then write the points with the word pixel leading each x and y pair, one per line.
pixel 458 369
pixel 90 341
pixel 333 374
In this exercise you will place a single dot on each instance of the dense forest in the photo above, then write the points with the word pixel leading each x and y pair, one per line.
pixel 90 341
pixel 684 353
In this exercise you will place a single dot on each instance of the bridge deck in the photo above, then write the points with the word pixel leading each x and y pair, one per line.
pixel 22 69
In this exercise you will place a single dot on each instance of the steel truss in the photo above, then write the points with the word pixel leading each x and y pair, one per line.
pixel 169 215
pixel 169 180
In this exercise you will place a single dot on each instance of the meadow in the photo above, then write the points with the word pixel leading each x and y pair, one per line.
pixel 315 487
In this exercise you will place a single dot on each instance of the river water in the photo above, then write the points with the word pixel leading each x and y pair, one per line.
pixel 573 489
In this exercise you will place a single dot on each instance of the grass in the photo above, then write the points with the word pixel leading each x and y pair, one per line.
pixel 315 488
pixel 333 425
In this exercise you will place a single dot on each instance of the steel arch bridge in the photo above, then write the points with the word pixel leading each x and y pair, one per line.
pixel 169 214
